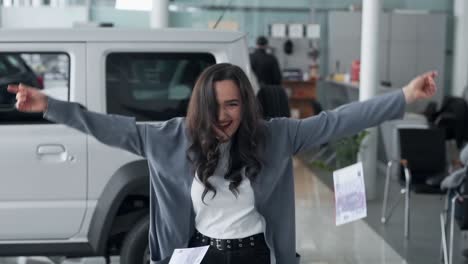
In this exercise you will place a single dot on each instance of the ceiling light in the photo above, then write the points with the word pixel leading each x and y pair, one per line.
pixel 141 5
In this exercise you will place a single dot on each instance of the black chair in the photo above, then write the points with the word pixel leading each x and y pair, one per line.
pixel 455 211
pixel 423 167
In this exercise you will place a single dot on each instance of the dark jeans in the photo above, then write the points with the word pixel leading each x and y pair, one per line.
pixel 260 254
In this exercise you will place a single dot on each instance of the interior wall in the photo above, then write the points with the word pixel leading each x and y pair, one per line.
pixel 42 17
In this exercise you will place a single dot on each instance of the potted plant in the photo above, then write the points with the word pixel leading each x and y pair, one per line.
pixel 346 150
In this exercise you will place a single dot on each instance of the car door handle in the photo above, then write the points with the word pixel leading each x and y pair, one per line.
pixel 54 153
pixel 50 149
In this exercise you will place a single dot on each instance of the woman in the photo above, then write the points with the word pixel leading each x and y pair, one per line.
pixel 222 176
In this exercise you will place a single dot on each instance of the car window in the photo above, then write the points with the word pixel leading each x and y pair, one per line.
pixel 152 86
pixel 49 72
pixel 9 65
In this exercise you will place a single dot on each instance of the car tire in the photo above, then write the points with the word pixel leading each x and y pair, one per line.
pixel 135 246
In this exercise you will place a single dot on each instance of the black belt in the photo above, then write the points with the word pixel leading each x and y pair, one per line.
pixel 255 241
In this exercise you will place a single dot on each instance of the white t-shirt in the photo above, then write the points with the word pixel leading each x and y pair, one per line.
pixel 225 216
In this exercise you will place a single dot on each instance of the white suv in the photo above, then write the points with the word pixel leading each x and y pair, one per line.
pixel 62 192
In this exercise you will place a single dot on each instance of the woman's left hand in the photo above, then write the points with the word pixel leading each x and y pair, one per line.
pixel 421 87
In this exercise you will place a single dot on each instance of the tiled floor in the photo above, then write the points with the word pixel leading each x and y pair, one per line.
pixel 319 241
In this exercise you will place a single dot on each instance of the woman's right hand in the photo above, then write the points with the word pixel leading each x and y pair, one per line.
pixel 28 99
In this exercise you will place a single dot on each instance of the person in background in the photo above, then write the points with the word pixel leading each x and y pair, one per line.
pixel 265 65
pixel 273 101
pixel 456 178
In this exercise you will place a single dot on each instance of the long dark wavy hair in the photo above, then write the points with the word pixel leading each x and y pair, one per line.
pixel 202 115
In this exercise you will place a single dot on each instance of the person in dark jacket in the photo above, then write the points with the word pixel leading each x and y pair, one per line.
pixel 265 65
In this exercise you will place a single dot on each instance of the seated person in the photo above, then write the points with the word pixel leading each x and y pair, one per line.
pixel 456 178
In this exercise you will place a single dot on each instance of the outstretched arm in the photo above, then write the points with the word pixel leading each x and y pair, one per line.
pixel 112 130
pixel 354 117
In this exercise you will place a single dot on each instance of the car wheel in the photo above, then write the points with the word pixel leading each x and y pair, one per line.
pixel 135 248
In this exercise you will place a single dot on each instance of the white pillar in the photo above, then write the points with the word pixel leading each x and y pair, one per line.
pixel 369 82
pixel 36 3
pixel 88 11
pixel 7 3
pixel 460 57
pixel 159 15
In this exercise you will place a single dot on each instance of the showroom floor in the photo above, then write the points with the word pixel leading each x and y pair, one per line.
pixel 319 240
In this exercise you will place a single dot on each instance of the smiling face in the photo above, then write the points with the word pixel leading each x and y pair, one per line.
pixel 229 109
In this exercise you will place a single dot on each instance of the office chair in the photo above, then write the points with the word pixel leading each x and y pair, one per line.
pixel 456 206
pixel 423 166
